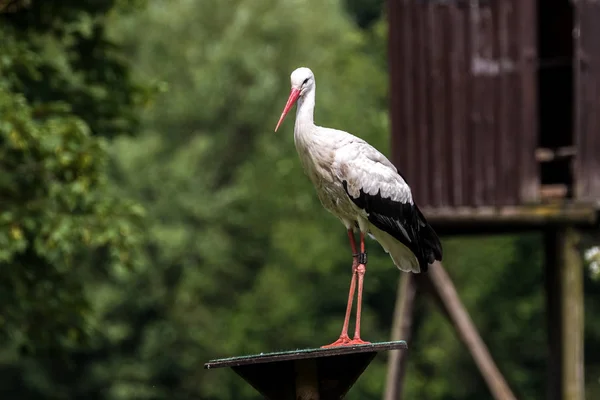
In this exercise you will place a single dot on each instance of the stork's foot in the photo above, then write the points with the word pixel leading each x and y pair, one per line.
pixel 344 340
pixel 356 341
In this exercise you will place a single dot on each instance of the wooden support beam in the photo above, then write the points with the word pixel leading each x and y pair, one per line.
pixel 547 155
pixel 572 311
pixel 565 303
pixel 553 192
pixel 307 382
pixel 401 328
pixel 449 300
pixel 553 316
pixel 536 216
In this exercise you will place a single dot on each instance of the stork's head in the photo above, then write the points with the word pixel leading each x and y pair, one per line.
pixel 302 80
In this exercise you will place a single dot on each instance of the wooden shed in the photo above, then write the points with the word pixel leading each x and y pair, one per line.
pixel 495 116
pixel 494 104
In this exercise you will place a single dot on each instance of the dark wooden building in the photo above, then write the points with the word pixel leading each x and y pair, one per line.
pixel 495 114
pixel 494 103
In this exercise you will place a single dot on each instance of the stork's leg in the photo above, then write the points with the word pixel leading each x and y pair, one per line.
pixel 360 272
pixel 344 338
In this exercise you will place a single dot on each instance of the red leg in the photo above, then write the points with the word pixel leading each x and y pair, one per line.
pixel 344 338
pixel 360 271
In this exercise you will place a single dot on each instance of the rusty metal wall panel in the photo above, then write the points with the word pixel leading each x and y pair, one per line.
pixel 587 100
pixel 463 100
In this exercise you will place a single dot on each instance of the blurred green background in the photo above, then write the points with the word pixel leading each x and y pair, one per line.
pixel 150 219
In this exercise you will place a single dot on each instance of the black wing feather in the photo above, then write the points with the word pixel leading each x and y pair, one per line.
pixel 393 216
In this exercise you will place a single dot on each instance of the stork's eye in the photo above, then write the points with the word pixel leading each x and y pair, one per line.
pixel 304 83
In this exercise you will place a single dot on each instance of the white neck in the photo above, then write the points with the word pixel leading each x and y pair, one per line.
pixel 305 112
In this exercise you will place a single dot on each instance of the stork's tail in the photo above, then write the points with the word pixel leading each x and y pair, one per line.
pixel 429 247
pixel 425 248
pixel 401 255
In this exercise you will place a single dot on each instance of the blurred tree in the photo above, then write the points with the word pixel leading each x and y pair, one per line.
pixel 240 250
pixel 239 257
pixel 61 83
pixel 59 51
pixel 508 313
pixel 365 13
pixel 235 223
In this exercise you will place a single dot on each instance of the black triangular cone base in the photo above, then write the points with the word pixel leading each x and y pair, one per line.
pixel 323 374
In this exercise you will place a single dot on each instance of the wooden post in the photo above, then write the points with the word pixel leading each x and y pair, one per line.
pixel 571 278
pixel 307 384
pixel 564 291
pixel 463 324
pixel 401 330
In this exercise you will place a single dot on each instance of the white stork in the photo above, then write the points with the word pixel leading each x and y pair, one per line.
pixel 361 187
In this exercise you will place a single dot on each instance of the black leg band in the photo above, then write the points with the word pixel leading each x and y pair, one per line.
pixel 362 258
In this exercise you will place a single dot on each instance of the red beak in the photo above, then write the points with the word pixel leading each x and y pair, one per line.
pixel 294 94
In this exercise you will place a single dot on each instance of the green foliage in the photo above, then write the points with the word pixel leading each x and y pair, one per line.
pixel 238 256
pixel 502 307
pixel 58 51
pixel 235 222
pixel 365 13
pixel 58 217
pixel 53 212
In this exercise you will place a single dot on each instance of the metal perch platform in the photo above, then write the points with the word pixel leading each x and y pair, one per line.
pixel 311 374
